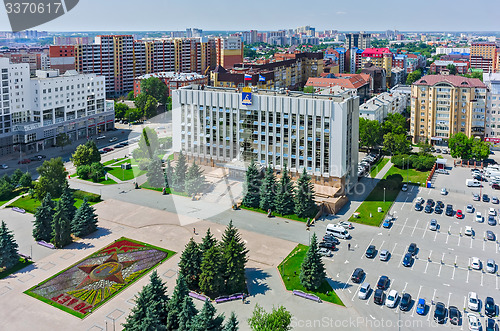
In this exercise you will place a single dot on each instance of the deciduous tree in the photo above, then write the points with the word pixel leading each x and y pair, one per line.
pixel 277 320
pixel 53 178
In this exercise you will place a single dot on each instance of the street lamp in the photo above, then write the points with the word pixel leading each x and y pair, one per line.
pixel 384 194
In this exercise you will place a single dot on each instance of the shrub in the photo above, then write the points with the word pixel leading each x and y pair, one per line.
pixel 83 171
pixel 91 197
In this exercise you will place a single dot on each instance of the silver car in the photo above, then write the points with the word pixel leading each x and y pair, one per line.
pixel 325 252
pixel 384 255
pixel 364 290
pixel 490 266
pixel 433 225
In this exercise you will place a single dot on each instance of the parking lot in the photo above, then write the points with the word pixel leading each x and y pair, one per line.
pixel 440 269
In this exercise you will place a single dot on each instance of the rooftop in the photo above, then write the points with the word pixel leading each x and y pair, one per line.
pixel 351 81
pixel 172 75
pixel 457 81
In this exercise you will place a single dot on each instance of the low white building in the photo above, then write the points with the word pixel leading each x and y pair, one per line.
pixel 300 130
pixel 378 107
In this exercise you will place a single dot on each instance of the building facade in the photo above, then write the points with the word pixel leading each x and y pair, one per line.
pixel 443 105
pixel 229 51
pixel 378 107
pixel 492 133
pixel 220 125
pixel 172 80
pixel 358 40
pixel 483 55
pixel 438 66
pixel 380 57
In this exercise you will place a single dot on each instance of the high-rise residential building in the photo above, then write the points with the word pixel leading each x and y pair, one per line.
pixel 229 51
pixel 194 33
pixel 36 59
pixel 317 133
pixel 249 37
pixel 358 40
pixel 483 55
pixel 62 58
pixel 306 30
pixel 36 110
pixel 443 105
pixel 380 57
pixel 492 133
pixel 62 41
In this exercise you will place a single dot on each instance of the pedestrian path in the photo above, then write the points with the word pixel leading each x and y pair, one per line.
pixel 384 170
pixel 12 200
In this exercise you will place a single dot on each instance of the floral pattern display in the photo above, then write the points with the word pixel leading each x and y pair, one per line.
pixel 91 282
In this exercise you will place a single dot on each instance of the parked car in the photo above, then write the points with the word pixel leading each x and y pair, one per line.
pixel 404 188
pixel 479 217
pixel 495 186
pixel 490 235
pixel 412 249
pixel 438 210
pixel 476 197
pixel 407 260
pixel 469 208
pixel 468 231
pixel 4 166
pixel 405 302
pixel 443 191
pixel 473 301
pixel 474 323
pixel 383 282
pixel 492 211
pixel 454 315
pixel 491 325
pixel 325 252
pixel 418 207
pixel 494 200
pixel 24 161
pixel 345 224
pixel 118 146
pixel 490 308
pixel 440 204
pixel 371 251
pixel 433 225
pixel 108 149
pixel 378 297
pixel 475 263
pixel 331 238
pixel 440 313
pixel 459 214
pixel 34 158
pixel 364 290
pixel 490 266
pixel 492 220
pixel 392 299
pixel 327 244
pixel 449 210
pixel 113 139
pixel 387 223
pixel 358 275
pixel 428 209
pixel 486 198
pixel 430 202
pixel 420 200
pixel 100 137
pixel 41 156
pixel 384 255
pixel 421 306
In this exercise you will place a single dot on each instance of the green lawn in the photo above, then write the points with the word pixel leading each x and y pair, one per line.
pixel 292 264
pixel 30 205
pixel 414 176
pixel 20 265
pixel 125 174
pixel 378 166
pixel 160 189
pixel 114 161
pixel 101 181
pixel 290 217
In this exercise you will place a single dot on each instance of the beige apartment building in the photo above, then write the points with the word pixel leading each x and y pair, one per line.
pixel 442 105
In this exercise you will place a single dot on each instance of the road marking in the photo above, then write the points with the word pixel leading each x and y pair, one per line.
pixel 404 226
pixel 467 280
pixel 426 227
pixel 416 300
pixel 496 283
pixel 446 284
pixel 404 203
pixel 465 300
pixel 414 228
pixel 349 290
pixel 449 297
pixel 448 236
pixel 394 248
pixel 433 295
pixel 429 193
pixel 382 244
pixel 362 255
pixel 453 275
pixel 439 272
pixel 470 242
pixel 459 237
pixel 435 236
pixel 482 275
pixel 484 245
pixel 406 284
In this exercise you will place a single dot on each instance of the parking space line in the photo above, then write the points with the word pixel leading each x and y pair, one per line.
pixel 435 236
pixel 362 255
pixel 425 228
pixel 355 292
pixel 484 245
pixel 459 237
pixel 429 193
pixel 470 242
pixel 449 297
pixel 406 284
pixel 414 228
pixel 448 236
pixel 394 248
pixel 454 268
pixel 403 226
pixel 496 282
pixel 404 203
pixel 482 275
pixel 416 300
pixel 465 300
pixel 381 245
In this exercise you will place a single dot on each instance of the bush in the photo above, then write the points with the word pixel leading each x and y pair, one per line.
pixel 397 160
pixel 421 162
pixel 96 171
pixel 91 197
pixel 83 171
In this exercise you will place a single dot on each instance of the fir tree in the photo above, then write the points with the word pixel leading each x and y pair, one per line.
pixel 69 201
pixel 8 248
pixel 159 297
pixel 169 174
pixel 194 179
pixel 42 225
pixel 61 225
pixel 187 314
pixel 267 190
pixel 206 319
pixel 284 199
pixel 232 323
pixel 155 173
pixel 211 278
pixel 151 321
pixel 312 270
pixel 85 220
pixel 252 186
pixel 180 173
pixel 304 196
pixel 190 264
pixel 234 257
pixel 207 242
pixel 174 304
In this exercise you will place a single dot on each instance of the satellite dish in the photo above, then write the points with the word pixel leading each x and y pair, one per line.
pixel 369 59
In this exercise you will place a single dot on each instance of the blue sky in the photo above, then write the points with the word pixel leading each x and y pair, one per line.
pixel 345 15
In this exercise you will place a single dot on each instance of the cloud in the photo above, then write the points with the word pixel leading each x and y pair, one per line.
pixel 341 13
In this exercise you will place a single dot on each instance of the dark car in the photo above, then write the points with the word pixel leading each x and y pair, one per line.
pixel 438 210
pixel 440 204
pixel 125 143
pixel 118 146
pixel 327 244
pixel 428 209
pixel 430 202
pixel 440 313
pixel 449 210
pixel 492 220
pixel 491 325
pixel 486 198
pixel 358 275
pixel 383 282
pixel 490 235
pixel 412 249
pixel 371 251
pixel 490 308
pixel 330 238
pixel 407 260
pixel 454 315
pixel 405 302
pixel 496 186
pixel 378 297
pixel 35 158
pixel 418 207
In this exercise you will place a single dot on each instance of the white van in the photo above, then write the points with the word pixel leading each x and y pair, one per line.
pixel 337 231
pixel 472 183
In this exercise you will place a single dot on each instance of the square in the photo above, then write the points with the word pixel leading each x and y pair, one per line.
pixel 4 290
pixel 95 328
pixel 92 281
pixel 115 314
pixel 26 278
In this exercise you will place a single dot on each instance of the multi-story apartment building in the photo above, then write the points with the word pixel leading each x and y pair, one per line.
pixel 483 55
pixel 222 125
pixel 229 51
pixel 358 40
pixel 378 107
pixel 249 37
pixel 492 134
pixel 438 66
pixel 36 110
pixel 380 57
pixel 62 58
pixel 358 83
pixel 173 80
pixel 37 60
pixel 442 105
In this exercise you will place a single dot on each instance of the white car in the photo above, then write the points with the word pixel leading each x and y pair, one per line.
pixel 479 217
pixel 433 225
pixel 475 263
pixel 4 166
pixel 384 255
pixel 474 323
pixel 364 289
pixel 345 224
pixel 325 252
pixel 420 200
pixel 392 298
pixel 100 137
pixel 113 139
pixel 492 212
pixel 468 231
pixel 490 266
pixel 473 301
pixel 443 191
pixel 469 208
pixel 404 188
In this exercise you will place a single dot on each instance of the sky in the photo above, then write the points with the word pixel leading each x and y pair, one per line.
pixel 212 15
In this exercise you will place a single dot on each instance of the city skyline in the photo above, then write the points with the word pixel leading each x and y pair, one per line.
pixel 120 16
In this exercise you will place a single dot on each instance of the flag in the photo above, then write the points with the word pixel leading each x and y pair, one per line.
pixel 248 77
pixel 262 78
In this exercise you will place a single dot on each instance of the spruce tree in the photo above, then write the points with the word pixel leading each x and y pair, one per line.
pixel 180 173
pixel 169 174
pixel 268 190
pixel 234 259
pixel 8 248
pixel 159 297
pixel 211 278
pixel 174 304
pixel 190 264
pixel 85 220
pixel 284 199
pixel 155 173
pixel 194 179
pixel 312 270
pixel 304 196
pixel 138 312
pixel 42 225
pixel 206 319
pixel 187 314
pixel 252 186
pixel 151 322
pixel 69 201
pixel 61 225
pixel 232 323
pixel 207 242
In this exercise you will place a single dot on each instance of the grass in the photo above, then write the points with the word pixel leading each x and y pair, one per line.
pixel 125 174
pixel 290 217
pixel 20 265
pixel 378 166
pixel 114 161
pixel 292 264
pixel 31 204
pixel 170 157
pixel 102 180
pixel 160 189
pixel 414 176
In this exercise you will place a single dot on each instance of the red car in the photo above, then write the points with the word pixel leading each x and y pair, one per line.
pixel 459 214
pixel 24 161
pixel 496 186
pixel 107 149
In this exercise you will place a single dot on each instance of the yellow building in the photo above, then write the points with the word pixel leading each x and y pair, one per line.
pixel 380 57
pixel 484 55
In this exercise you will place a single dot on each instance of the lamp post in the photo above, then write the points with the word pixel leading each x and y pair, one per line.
pixel 384 194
